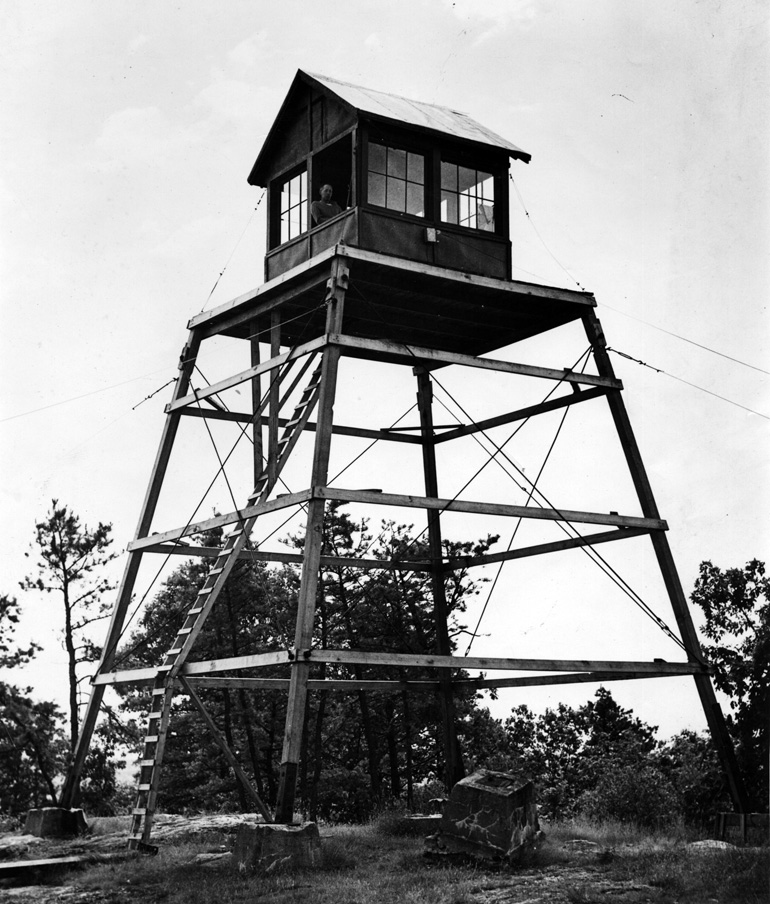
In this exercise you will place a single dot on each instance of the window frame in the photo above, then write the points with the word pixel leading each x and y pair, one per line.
pixel 277 195
pixel 474 164
pixel 392 142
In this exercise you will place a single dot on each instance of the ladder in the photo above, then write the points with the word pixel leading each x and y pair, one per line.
pixel 163 684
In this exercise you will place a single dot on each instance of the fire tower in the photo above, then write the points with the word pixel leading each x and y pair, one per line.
pixel 408 266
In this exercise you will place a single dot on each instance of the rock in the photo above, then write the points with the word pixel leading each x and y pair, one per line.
pixel 710 844
pixel 55 822
pixel 490 815
pixel 213 860
pixel 14 845
pixel 269 848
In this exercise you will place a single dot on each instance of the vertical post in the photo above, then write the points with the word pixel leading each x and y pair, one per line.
pixel 275 399
pixel 256 400
pixel 303 638
pixel 71 789
pixel 454 770
pixel 711 708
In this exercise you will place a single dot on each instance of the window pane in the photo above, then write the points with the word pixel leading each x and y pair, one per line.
pixel 486 217
pixel 414 199
pixel 397 163
pixel 487 191
pixel 416 168
pixel 448 176
pixel 396 194
pixel 377 189
pixel 465 211
pixel 467 177
pixel 376 158
pixel 448 207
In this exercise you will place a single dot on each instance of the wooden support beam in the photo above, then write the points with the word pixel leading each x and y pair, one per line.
pixel 306 602
pixel 384 435
pixel 274 394
pixel 191 669
pixel 71 789
pixel 522 413
pixel 415 355
pixel 195 527
pixel 711 708
pixel 221 742
pixel 208 668
pixel 299 351
pixel 351 685
pixel 454 768
pixel 422 660
pixel 295 558
pixel 623 533
pixel 488 508
pixel 256 402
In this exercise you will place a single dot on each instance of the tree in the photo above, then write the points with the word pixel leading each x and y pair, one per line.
pixel 375 745
pixel 567 752
pixel 690 763
pixel 736 607
pixel 31 741
pixel 70 561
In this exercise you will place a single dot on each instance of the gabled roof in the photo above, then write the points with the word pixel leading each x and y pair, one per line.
pixel 391 108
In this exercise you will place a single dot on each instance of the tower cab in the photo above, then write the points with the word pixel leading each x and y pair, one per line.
pixel 408 179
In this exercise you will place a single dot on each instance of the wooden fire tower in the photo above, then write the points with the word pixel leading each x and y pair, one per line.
pixel 411 269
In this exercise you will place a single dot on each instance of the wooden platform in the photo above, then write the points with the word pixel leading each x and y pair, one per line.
pixel 401 301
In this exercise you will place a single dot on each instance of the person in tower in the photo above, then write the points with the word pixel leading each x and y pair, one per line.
pixel 325 209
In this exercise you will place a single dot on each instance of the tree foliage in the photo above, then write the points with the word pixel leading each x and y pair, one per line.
pixel 736 607
pixel 32 746
pixel 70 559
pixel 360 748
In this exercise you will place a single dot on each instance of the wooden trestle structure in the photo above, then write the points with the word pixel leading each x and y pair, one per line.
pixel 405 313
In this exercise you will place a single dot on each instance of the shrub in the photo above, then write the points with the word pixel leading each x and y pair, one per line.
pixel 632 793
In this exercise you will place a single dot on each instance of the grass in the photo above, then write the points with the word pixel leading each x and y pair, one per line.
pixel 377 862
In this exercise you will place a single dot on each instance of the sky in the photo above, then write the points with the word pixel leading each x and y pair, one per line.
pixel 127 132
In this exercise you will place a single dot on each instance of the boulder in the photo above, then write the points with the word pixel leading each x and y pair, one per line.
pixel 55 822
pixel 268 848
pixel 489 815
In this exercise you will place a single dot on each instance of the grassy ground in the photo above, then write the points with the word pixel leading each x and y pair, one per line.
pixel 578 864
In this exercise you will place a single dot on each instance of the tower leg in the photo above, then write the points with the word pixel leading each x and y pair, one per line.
pixel 711 708
pixel 303 638
pixel 71 789
pixel 454 769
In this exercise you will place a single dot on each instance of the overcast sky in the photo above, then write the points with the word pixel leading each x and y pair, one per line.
pixel 128 130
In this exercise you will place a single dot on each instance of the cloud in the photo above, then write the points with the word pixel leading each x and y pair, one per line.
pixel 500 13
pixel 246 55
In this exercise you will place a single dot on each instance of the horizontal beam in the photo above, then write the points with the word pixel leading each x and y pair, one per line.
pixel 406 660
pixel 307 348
pixel 140 677
pixel 396 686
pixel 522 414
pixel 340 430
pixel 191 669
pixel 291 558
pixel 524 552
pixel 196 527
pixel 487 508
pixel 413 354
pixel 367 657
